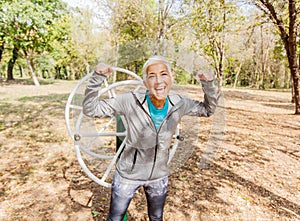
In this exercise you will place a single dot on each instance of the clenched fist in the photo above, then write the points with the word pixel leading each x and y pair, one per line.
pixel 102 68
pixel 206 76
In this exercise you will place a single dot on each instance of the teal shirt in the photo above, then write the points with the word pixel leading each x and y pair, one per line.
pixel 157 115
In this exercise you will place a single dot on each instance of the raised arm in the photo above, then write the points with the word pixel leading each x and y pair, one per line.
pixel 206 107
pixel 92 107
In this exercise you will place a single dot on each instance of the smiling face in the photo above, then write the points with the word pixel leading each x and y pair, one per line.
pixel 158 82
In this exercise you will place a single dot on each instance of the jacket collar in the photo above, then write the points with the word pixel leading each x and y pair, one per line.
pixel 175 100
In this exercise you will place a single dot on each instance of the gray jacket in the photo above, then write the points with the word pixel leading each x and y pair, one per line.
pixel 146 152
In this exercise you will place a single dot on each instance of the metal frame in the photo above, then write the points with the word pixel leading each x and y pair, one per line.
pixel 76 135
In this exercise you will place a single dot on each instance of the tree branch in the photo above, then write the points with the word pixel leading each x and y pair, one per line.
pixel 270 11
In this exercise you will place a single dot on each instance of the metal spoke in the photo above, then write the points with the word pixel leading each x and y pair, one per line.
pixel 112 163
pixel 86 169
pixel 77 133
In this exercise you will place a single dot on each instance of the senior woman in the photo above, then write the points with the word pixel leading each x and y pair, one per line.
pixel 152 117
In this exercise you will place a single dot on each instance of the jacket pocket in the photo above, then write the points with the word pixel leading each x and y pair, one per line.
pixel 134 160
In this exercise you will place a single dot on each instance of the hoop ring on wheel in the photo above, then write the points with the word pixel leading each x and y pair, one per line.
pixel 77 135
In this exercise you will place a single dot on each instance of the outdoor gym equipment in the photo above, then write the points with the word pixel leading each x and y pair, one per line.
pixel 89 134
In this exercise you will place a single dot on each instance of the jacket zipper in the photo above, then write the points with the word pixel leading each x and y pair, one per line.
pixel 157 132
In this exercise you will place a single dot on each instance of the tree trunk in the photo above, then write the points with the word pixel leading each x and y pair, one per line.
pixel 11 64
pixel 292 87
pixel 263 62
pixel 21 70
pixel 163 13
pixel 296 87
pixel 72 72
pixel 57 72
pixel 161 25
pixel 293 61
pixel 116 57
pixel 1 51
pixel 237 75
pixel 220 71
pixel 34 78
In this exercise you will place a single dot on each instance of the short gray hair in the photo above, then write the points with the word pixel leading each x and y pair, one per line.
pixel 154 60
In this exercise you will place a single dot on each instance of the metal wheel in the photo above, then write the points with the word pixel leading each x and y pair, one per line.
pixel 91 135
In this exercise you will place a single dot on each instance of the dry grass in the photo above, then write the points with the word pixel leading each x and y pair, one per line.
pixel 254 174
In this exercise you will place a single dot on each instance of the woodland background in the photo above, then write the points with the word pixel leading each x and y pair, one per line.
pixel 47 46
pixel 248 43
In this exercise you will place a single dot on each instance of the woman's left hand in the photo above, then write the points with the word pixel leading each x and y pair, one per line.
pixel 206 76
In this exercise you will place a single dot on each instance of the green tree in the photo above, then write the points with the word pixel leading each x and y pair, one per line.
pixel 143 27
pixel 211 23
pixel 28 26
pixel 130 23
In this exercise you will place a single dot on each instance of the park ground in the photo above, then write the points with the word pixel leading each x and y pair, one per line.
pixel 253 172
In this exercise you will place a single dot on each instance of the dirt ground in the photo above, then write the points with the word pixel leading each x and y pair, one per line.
pixel 244 167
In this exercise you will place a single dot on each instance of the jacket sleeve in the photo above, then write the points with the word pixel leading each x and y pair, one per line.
pixel 92 106
pixel 206 107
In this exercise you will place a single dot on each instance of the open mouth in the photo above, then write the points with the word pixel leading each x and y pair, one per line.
pixel 160 90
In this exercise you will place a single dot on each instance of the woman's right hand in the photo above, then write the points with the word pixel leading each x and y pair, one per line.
pixel 102 68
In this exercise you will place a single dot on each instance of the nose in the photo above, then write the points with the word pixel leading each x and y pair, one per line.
pixel 159 79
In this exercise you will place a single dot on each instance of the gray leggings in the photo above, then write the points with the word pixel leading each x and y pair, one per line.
pixel 123 191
